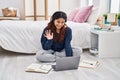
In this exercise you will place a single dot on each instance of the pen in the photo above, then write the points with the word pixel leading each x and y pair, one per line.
pixel 88 63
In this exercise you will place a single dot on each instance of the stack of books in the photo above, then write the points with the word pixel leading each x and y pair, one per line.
pixel 37 67
pixel 89 64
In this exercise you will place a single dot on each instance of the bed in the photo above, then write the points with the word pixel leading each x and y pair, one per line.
pixel 24 36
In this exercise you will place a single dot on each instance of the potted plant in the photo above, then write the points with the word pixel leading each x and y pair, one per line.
pixel 105 16
pixel 105 19
pixel 118 16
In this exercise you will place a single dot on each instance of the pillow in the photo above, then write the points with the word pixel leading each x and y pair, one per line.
pixel 93 16
pixel 83 14
pixel 72 14
pixel 9 12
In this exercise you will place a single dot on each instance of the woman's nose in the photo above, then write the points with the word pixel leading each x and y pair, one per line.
pixel 60 24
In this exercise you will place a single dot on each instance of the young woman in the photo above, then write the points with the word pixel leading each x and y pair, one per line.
pixel 56 39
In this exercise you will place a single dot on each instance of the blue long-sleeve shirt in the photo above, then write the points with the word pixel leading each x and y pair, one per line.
pixel 51 44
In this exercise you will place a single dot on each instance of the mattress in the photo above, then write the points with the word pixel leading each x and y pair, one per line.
pixel 24 36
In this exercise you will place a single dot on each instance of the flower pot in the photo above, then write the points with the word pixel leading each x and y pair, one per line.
pixel 106 22
pixel 115 23
pixel 119 22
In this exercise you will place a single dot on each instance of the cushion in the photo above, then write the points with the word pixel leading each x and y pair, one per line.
pixel 83 14
pixel 72 14
pixel 93 16
pixel 9 12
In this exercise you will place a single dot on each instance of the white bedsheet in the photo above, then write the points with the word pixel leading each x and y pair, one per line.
pixel 80 33
pixel 24 36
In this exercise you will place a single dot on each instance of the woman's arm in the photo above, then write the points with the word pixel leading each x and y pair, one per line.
pixel 68 39
pixel 46 43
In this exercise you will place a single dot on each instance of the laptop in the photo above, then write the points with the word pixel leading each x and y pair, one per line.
pixel 66 63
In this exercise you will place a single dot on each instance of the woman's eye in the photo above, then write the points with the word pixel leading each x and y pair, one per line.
pixel 60 22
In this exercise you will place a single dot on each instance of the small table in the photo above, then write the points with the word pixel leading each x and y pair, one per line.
pixel 105 43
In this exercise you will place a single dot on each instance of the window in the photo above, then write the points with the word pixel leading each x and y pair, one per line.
pixel 114 6
pixel 90 2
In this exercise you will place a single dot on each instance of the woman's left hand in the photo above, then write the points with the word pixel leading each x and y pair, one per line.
pixel 48 34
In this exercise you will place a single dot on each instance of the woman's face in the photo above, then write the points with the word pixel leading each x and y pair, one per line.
pixel 59 23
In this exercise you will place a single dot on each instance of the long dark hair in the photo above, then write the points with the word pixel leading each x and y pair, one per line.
pixel 51 26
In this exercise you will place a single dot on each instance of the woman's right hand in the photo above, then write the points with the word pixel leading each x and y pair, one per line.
pixel 48 34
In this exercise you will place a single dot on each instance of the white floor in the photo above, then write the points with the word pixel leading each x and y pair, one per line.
pixel 12 67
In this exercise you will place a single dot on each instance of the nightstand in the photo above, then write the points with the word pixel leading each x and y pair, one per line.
pixel 105 43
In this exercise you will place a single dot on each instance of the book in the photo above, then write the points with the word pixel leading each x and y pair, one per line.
pixel 37 67
pixel 89 64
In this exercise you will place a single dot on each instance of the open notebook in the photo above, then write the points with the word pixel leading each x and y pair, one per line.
pixel 89 64
pixel 37 67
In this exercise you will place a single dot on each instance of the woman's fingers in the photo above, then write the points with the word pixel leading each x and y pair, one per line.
pixel 48 32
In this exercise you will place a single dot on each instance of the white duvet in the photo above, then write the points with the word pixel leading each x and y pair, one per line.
pixel 24 36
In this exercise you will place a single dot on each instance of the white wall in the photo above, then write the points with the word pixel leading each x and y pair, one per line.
pixel 69 5
pixel 13 3
pixel 103 5
pixel 52 6
pixel 83 3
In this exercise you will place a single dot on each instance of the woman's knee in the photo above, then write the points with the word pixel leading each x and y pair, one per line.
pixel 39 57
pixel 45 56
